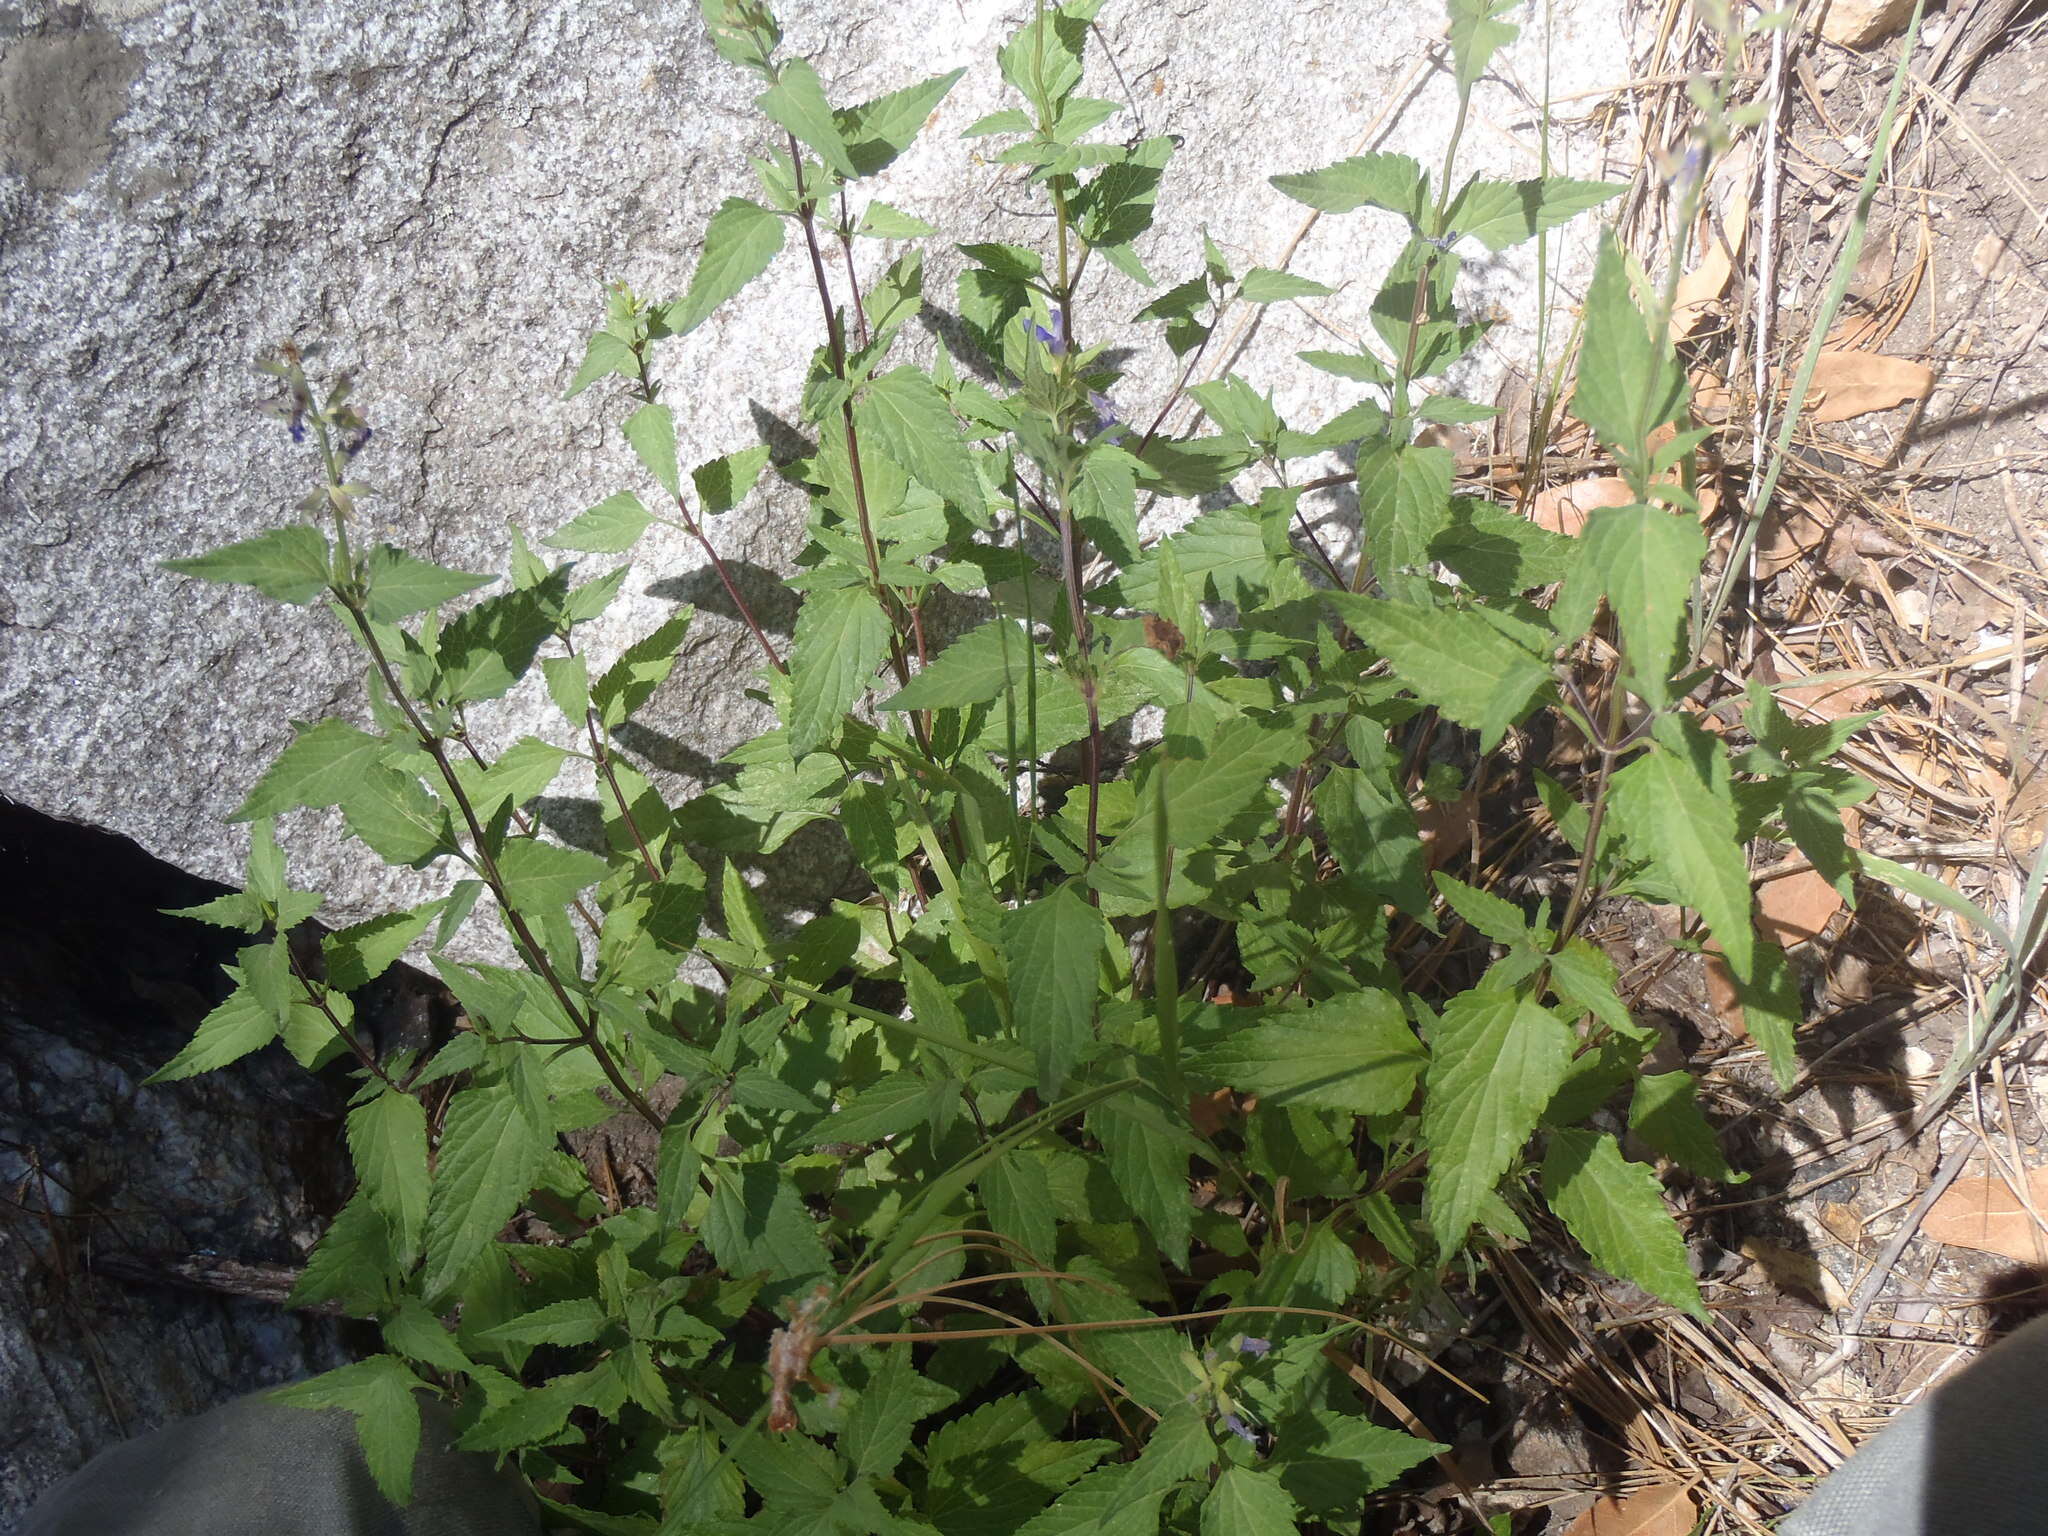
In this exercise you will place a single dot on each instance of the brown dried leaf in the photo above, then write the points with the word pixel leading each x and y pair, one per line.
pixel 1563 508
pixel 1210 1113
pixel 1985 1214
pixel 1796 908
pixel 1800 1274
pixel 1843 1224
pixel 1810 702
pixel 1849 384
pixel 1723 998
pixel 1666 1510
pixel 1446 827
pixel 1699 292
pixel 1712 401
pixel 1860 333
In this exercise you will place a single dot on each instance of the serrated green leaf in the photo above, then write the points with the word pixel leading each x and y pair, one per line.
pixel 993 1469
pixel 568 680
pixel 1393 182
pixel 1404 496
pixel 1353 1052
pixel 1105 500
pixel 1053 947
pixel 974 669
pixel 1498 919
pixel 739 242
pixel 1263 285
pixel 1499 214
pixel 577 1320
pixel 237 909
pixel 651 431
pixel 379 1392
pixel 1457 411
pixel 1221 554
pixel 1204 796
pixel 905 413
pixel 316 770
pixel 1683 826
pixel 352 1264
pixel 487 648
pixel 884 221
pixel 723 483
pixel 1018 1198
pixel 266 970
pixel 1193 466
pixel 401 585
pixel 888 1108
pixel 359 954
pixel 603 355
pixel 529 1417
pixel 1629 378
pixel 1663 1112
pixel 396 818
pixel 289 564
pixel 1104 1503
pixel 1454 659
pixel 1644 562
pixel 1008 120
pixel 1477 33
pixel 1498 554
pixel 1584 977
pixel 387 1139
pixel 1042 59
pixel 1118 205
pixel 1374 835
pixel 757 1225
pixel 1335 1462
pixel 841 637
pixel 493 1141
pixel 641 668
pixel 1616 1209
pixel 241 1024
pixel 1248 1502
pixel 876 132
pixel 1235 406
pixel 540 876
pixel 417 1334
pixel 1362 366
pixel 1151 1173
pixel 521 772
pixel 613 525
pixel 797 102
pixel 1771 1008
pixel 895 1399
pixel 1494 1061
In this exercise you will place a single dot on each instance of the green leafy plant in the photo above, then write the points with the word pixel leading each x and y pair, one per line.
pixel 981 1205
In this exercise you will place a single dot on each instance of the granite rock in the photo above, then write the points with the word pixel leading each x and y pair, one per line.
pixel 437 191
pixel 147 1233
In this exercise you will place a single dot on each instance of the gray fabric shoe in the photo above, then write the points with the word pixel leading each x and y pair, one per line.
pixel 1971 1459
pixel 253 1467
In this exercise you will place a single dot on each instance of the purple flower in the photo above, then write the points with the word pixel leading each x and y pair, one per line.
pixel 1239 1428
pixel 1255 1347
pixel 1054 340
pixel 357 442
pixel 298 430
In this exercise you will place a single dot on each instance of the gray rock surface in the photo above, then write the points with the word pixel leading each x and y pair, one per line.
pixel 139 1226
pixel 437 191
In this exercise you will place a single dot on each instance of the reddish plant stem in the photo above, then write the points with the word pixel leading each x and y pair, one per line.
pixel 536 956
